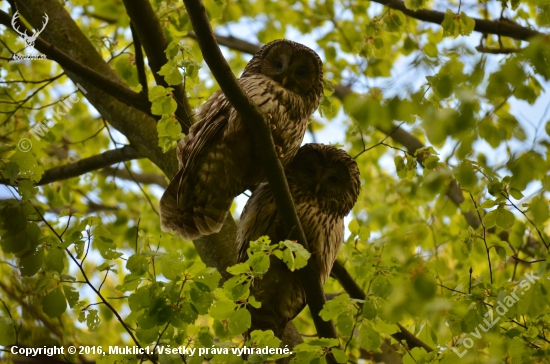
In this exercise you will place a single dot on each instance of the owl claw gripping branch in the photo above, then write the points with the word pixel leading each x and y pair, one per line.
pixel 217 159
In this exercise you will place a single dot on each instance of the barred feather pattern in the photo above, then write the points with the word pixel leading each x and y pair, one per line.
pixel 217 159
pixel 321 211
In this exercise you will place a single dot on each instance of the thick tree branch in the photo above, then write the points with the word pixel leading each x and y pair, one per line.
pixel 139 127
pixel 90 164
pixel 154 42
pixel 355 291
pixel 505 28
pixel 140 64
pixel 265 150
pixel 231 42
pixel 112 87
pixel 145 178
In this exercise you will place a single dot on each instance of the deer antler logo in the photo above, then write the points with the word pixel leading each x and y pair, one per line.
pixel 29 39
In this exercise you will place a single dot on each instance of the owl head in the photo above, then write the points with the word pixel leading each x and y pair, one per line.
pixel 293 65
pixel 326 176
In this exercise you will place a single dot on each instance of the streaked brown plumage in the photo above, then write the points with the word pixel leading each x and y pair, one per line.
pixel 324 182
pixel 217 160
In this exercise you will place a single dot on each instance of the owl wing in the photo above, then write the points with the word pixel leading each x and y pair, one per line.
pixel 174 216
pixel 280 291
pixel 259 218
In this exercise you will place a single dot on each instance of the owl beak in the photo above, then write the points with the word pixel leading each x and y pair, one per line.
pixel 285 79
pixel 317 187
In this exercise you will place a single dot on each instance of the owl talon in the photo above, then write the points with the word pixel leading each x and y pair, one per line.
pixel 279 151
pixel 273 126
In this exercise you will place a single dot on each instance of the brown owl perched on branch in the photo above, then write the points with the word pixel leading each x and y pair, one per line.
pixel 324 183
pixel 217 158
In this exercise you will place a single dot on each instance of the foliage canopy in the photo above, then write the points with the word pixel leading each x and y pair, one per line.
pixel 444 105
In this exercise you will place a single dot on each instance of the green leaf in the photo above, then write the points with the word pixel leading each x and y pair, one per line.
pixel 162 101
pixel 448 24
pixel 71 294
pixel 169 132
pixel 368 338
pixel 237 288
pixel 240 321
pixel 93 320
pixel 488 204
pixel 252 301
pixel 501 251
pixel 334 307
pixel 201 300
pixel 454 25
pixel 345 323
pixel 205 337
pixel 7 331
pixel 539 210
pixel 466 24
pixel 54 303
pixel 208 277
pixel 187 313
pixel 339 355
pixel 171 73
pixel 490 219
pixel 31 262
pixel 504 218
pixel 415 4
pixel 240 268
pixel 127 70
pixel 137 264
pixel 296 255
pixel 214 8
pixel 172 50
pixel 56 260
pixel 173 265
pixel 324 342
pixel 191 70
pixel 221 310
pixel 259 263
pixel 369 310
pixel 425 285
pixel 465 175
pixel 400 166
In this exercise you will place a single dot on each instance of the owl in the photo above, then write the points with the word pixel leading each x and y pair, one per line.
pixel 324 183
pixel 217 158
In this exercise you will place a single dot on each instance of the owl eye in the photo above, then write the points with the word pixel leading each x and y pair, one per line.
pixel 333 179
pixel 301 72
pixel 278 65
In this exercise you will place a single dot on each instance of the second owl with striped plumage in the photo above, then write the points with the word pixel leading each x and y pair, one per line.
pixel 325 183
pixel 217 158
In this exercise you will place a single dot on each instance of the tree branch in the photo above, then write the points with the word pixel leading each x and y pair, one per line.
pixel 140 66
pixel 265 150
pixel 154 42
pixel 499 27
pixel 145 178
pixel 89 164
pixel 139 127
pixel 106 84
pixel 232 43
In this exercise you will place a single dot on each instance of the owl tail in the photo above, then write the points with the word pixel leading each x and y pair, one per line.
pixel 197 215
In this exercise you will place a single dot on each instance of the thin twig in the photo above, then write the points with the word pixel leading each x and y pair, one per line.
pixel 528 219
pixel 379 143
pixel 484 237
